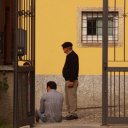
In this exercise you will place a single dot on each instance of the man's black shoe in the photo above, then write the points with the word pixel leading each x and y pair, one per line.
pixel 65 117
pixel 71 117
pixel 37 118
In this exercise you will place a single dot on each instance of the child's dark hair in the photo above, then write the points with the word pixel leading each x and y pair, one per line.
pixel 52 85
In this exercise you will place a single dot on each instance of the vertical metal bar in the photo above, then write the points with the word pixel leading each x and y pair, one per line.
pixel 97 29
pixel 24 28
pixel 25 25
pixel 82 27
pixel 33 51
pixel 33 30
pixel 124 26
pixel 114 31
pixel 30 31
pixel 20 89
pixel 110 93
pixel 105 64
pixel 92 26
pixel 119 94
pixel 20 92
pixel 28 93
pixel 124 94
pixel 15 25
pixel 87 27
pixel 19 9
pixel 19 26
pixel 29 84
pixel 114 96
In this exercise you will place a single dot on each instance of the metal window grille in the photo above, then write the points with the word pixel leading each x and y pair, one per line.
pixel 91 27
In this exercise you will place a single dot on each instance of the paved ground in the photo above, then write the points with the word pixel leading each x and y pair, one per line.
pixel 78 126
pixel 88 118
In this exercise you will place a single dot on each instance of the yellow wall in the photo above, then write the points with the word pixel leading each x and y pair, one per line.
pixel 57 22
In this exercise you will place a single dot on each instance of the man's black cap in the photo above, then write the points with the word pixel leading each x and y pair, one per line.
pixel 67 44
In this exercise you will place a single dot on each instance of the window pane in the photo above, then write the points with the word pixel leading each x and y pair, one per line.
pixel 110 23
pixel 110 31
pixel 99 23
pixel 99 26
pixel 91 27
pixel 99 31
pixel 110 27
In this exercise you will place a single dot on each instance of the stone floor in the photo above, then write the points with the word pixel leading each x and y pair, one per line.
pixel 78 126
pixel 88 118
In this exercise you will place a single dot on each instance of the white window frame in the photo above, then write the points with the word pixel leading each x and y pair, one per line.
pixel 85 38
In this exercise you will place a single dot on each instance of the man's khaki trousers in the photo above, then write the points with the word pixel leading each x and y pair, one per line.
pixel 71 97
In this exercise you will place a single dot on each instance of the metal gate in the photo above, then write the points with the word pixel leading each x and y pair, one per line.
pixel 115 63
pixel 24 62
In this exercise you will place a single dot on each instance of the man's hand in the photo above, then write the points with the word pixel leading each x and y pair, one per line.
pixel 70 84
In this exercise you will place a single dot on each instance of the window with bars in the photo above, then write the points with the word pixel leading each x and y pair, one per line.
pixel 91 26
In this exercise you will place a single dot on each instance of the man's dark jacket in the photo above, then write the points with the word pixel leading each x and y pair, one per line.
pixel 71 67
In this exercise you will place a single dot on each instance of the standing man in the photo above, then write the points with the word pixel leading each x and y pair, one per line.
pixel 70 74
pixel 50 105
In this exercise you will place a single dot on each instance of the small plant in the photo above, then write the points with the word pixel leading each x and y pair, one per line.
pixel 3 82
pixel 5 125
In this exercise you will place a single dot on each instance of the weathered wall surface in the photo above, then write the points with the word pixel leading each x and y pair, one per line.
pixel 89 89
